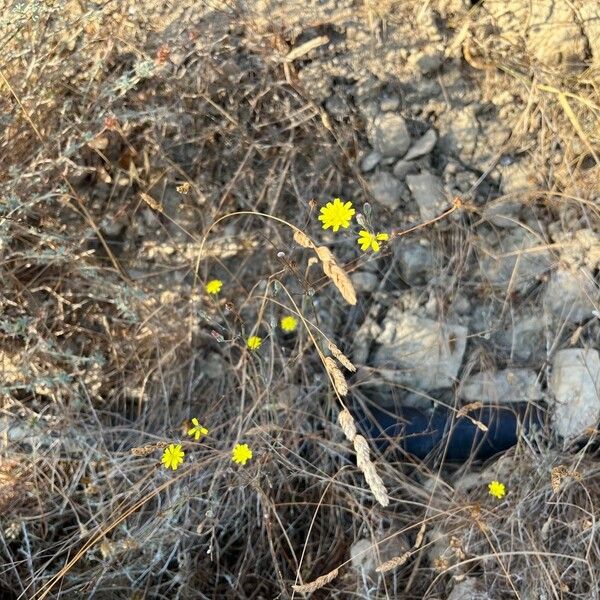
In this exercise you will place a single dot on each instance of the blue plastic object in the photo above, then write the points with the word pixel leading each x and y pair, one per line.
pixel 441 433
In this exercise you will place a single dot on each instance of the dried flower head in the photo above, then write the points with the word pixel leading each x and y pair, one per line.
pixel 497 489
pixel 197 430
pixel 368 240
pixel 336 214
pixel 254 342
pixel 289 323
pixel 173 456
pixel 241 454
pixel 214 286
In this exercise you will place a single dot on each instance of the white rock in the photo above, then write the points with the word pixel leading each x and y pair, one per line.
pixel 523 338
pixel 575 386
pixel 428 192
pixel 571 296
pixel 366 554
pixel 579 249
pixel 505 386
pixel 389 134
pixel 518 260
pixel 386 189
pixel 419 352
pixel 403 167
pixel 422 146
pixel 370 161
pixel 416 261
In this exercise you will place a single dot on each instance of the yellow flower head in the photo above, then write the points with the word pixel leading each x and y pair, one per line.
pixel 213 286
pixel 241 454
pixel 197 430
pixel 368 240
pixel 173 456
pixel 254 342
pixel 497 489
pixel 289 323
pixel 336 214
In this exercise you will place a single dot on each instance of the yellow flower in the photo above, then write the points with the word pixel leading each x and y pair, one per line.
pixel 368 240
pixel 173 456
pixel 254 342
pixel 197 430
pixel 497 489
pixel 241 454
pixel 336 214
pixel 289 323
pixel 213 286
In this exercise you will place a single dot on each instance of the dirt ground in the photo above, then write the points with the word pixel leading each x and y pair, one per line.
pixel 148 148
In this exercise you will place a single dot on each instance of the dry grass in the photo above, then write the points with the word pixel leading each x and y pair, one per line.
pixel 130 132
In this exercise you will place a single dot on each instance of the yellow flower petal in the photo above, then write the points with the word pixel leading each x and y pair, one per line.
pixel 289 323
pixel 241 454
pixel 214 286
pixel 173 456
pixel 254 342
pixel 336 214
pixel 497 489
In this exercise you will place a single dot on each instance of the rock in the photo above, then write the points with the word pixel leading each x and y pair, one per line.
pixel 402 168
pixel 575 386
pixel 386 189
pixel 469 589
pixel 423 145
pixel 524 338
pixel 428 192
pixel 419 352
pixel 337 107
pixel 429 63
pixel 389 134
pixel 364 281
pixel 502 212
pixel 519 259
pixel 416 261
pixel 389 103
pixel 571 295
pixel 517 179
pixel 370 161
pixel 589 15
pixel 364 337
pixel 508 385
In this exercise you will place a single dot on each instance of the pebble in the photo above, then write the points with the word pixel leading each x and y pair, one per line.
pixel 386 189
pixel 428 192
pixel 424 145
pixel 370 161
pixel 389 134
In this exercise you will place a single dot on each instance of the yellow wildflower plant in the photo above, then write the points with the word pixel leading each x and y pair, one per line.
pixel 197 430
pixel 213 286
pixel 173 456
pixel 289 323
pixel 368 240
pixel 254 342
pixel 241 454
pixel 497 489
pixel 336 214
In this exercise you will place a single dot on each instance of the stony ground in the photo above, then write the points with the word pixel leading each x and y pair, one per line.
pixel 145 150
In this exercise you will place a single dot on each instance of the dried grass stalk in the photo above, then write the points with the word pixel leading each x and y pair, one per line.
pixel 467 408
pixel 148 449
pixel 397 561
pixel 317 584
pixel 342 358
pixel 151 202
pixel 363 461
pixel 302 239
pixel 347 424
pixel 339 381
pixel 339 277
pixel 420 536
